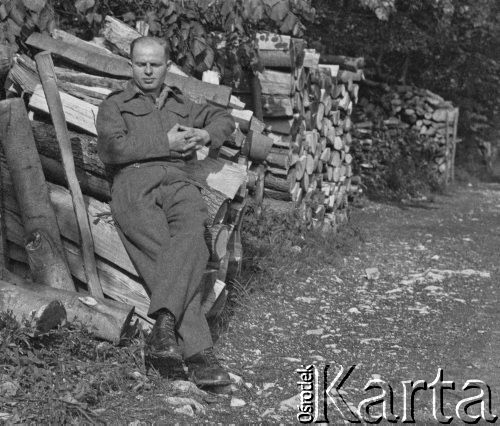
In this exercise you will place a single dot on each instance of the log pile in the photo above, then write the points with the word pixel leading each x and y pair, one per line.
pixel 86 73
pixel 427 116
pixel 307 107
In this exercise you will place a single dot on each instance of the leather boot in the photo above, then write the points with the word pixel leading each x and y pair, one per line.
pixel 205 370
pixel 161 350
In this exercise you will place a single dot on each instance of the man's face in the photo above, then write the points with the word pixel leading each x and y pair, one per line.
pixel 149 66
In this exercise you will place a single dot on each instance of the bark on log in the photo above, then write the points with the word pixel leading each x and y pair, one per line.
pixel 259 146
pixel 46 312
pixel 46 263
pixel 278 184
pixel 27 176
pixel 90 184
pixel 277 106
pixel 101 63
pixel 105 318
pixel 76 77
pixel 48 79
pixel 217 204
pixel 278 195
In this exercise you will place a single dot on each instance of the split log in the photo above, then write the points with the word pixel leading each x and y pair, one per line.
pixel 236 139
pixel 243 117
pixel 78 113
pixel 46 312
pixel 311 58
pixel 259 146
pixel 283 126
pixel 199 91
pixel 217 238
pixel 101 63
pixel 48 79
pixel 27 178
pixel 61 35
pixel 119 34
pixel 277 106
pixel 225 177
pixel 276 83
pixel 331 69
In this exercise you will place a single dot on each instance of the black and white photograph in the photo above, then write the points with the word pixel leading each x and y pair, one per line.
pixel 249 212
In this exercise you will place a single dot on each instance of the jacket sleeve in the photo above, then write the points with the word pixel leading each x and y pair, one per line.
pixel 116 145
pixel 215 120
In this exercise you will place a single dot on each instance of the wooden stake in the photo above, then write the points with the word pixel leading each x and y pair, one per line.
pixel 49 83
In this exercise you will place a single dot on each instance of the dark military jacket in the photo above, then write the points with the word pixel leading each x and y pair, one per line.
pixel 132 127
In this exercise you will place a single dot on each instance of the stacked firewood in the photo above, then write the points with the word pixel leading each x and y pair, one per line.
pixel 307 109
pixel 431 119
pixel 86 73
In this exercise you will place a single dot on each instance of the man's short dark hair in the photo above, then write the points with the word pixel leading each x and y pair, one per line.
pixel 162 42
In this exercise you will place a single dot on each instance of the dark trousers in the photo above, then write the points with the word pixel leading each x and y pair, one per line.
pixel 161 221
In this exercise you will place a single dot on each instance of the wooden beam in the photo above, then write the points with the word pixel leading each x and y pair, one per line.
pixel 78 113
pixel 102 63
pixel 49 83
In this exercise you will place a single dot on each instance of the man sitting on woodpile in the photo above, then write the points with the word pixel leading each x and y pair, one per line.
pixel 146 133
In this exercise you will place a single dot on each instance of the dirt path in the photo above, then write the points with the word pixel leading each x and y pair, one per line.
pixel 435 304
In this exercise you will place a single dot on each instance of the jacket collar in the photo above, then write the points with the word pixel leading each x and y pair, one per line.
pixel 132 90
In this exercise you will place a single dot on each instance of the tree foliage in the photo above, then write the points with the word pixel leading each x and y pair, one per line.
pixel 448 46
pixel 201 34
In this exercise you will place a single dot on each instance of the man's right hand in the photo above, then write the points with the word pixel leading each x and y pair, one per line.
pixel 177 141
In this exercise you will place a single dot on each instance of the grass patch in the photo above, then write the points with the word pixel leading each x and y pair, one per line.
pixel 278 243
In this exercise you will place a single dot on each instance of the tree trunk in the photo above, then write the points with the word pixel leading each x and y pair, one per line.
pixel 27 177
pixel 46 311
pixel 105 318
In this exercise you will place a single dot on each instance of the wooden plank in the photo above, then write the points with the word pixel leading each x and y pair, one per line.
pixel 49 82
pixel 79 113
pixel 102 63
pixel 62 35
pixel 199 91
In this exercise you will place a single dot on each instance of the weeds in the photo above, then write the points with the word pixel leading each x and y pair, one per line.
pixel 59 377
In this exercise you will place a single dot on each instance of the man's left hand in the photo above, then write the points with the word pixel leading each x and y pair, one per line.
pixel 199 136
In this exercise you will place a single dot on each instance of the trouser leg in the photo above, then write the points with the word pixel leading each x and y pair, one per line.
pixel 194 329
pixel 163 232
